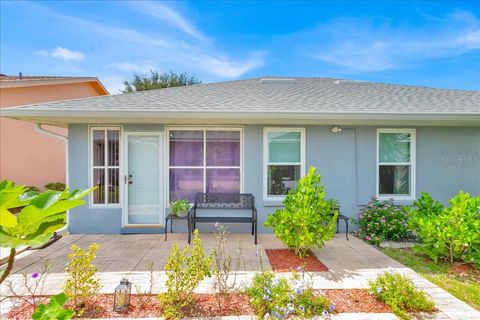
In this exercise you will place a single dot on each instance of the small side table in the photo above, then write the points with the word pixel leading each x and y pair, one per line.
pixel 172 217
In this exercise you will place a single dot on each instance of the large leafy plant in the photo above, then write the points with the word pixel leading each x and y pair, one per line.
pixel 451 233
pixel 307 220
pixel 382 220
pixel 29 218
pixel 54 309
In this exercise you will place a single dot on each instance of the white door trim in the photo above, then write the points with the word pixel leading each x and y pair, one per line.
pixel 125 223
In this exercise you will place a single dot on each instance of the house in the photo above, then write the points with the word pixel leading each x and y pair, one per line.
pixel 20 144
pixel 259 136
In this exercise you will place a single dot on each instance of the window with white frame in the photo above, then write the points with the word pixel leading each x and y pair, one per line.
pixel 105 165
pixel 203 160
pixel 396 163
pixel 284 160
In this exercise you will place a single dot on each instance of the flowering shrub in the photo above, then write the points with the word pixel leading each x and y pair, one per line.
pixel 280 298
pixel 382 220
pixel 450 233
pixel 400 294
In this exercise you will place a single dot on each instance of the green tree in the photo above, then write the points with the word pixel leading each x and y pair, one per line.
pixel 155 80
pixel 29 218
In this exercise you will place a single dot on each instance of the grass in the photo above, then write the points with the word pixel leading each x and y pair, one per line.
pixel 465 287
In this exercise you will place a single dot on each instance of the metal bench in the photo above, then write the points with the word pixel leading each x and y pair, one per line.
pixel 225 201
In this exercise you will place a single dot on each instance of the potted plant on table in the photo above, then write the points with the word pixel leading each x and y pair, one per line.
pixel 180 207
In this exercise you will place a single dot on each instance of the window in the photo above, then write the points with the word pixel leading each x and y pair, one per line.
pixel 105 165
pixel 203 160
pixel 396 163
pixel 284 157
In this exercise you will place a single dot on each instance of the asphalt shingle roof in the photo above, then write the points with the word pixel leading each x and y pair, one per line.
pixel 296 95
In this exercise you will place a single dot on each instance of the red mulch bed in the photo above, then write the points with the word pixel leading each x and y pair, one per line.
pixel 462 269
pixel 285 260
pixel 209 305
pixel 355 300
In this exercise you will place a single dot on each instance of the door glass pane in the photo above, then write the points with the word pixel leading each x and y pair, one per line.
pixel 223 148
pixel 185 183
pixel 99 181
pixel 282 179
pixel 284 146
pixel 98 147
pixel 186 148
pixel 394 180
pixel 113 185
pixel 143 171
pixel 223 180
pixel 394 147
pixel 113 147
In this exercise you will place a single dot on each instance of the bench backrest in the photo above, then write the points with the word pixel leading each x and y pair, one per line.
pixel 224 201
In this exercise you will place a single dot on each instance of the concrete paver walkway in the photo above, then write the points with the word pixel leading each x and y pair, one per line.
pixel 352 264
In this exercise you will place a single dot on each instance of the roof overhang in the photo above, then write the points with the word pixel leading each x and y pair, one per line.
pixel 19 83
pixel 63 118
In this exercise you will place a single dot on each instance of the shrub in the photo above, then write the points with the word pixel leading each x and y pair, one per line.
pixel 30 218
pixel 282 298
pixel 307 220
pixel 450 233
pixel 184 273
pixel 382 220
pixel 57 186
pixel 31 189
pixel 400 294
pixel 54 309
pixel 82 281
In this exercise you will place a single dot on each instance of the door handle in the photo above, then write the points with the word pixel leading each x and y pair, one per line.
pixel 128 179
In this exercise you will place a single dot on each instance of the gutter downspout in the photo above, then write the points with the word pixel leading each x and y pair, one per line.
pixel 39 129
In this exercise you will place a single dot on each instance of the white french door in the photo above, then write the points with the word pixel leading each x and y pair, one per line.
pixel 143 179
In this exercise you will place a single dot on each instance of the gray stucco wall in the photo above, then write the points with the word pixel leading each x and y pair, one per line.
pixel 447 160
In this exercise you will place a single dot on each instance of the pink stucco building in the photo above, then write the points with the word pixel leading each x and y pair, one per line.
pixel 27 156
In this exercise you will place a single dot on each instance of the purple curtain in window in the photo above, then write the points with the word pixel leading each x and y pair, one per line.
pixel 223 180
pixel 185 183
pixel 186 148
pixel 223 148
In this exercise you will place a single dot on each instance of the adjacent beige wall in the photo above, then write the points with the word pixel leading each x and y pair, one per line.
pixel 26 156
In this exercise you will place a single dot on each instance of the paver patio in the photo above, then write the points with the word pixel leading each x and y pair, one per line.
pixel 351 265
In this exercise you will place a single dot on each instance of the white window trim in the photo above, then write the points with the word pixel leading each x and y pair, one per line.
pixel 412 164
pixel 204 129
pixel 91 167
pixel 266 130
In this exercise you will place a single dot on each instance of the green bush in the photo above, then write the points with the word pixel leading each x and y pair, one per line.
pixel 184 273
pixel 450 233
pixel 281 298
pixel 54 309
pixel 307 220
pixel 82 281
pixel 31 189
pixel 179 206
pixel 58 186
pixel 382 220
pixel 400 294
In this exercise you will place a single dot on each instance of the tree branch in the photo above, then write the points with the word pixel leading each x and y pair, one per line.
pixel 11 259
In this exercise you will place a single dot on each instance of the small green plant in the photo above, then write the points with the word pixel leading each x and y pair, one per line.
pixel 382 220
pixel 54 309
pixel 450 233
pixel 400 294
pixel 180 206
pixel 307 220
pixel 184 273
pixel 57 186
pixel 281 298
pixel 82 281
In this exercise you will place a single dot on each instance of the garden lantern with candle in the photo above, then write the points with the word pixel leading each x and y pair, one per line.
pixel 121 299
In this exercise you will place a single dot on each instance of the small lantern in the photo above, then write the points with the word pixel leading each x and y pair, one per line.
pixel 121 299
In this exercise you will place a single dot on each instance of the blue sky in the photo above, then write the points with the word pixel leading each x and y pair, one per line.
pixel 421 43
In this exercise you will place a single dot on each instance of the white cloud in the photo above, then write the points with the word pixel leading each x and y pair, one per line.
pixel 61 53
pixel 114 84
pixel 360 45
pixel 166 14
pixel 131 67
pixel 67 54
pixel 227 68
